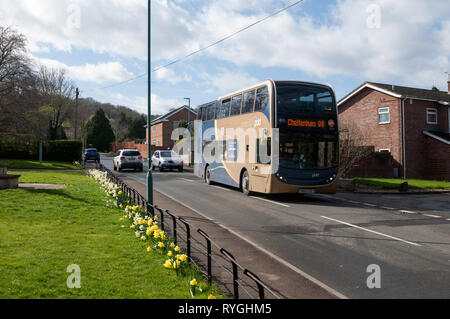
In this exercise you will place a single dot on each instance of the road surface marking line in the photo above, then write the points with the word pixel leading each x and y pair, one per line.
pixel 389 208
pixel 371 231
pixel 187 180
pixel 407 212
pixel 221 188
pixel 433 216
pixel 371 205
pixel 448 219
pixel 279 259
pixel 271 201
pixel 353 202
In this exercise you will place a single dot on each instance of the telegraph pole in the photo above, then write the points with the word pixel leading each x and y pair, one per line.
pixel 149 111
pixel 77 93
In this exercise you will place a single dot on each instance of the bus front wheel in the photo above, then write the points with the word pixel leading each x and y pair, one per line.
pixel 245 183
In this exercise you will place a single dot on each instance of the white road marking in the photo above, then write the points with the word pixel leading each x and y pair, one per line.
pixel 187 180
pixel 353 202
pixel 271 201
pixel 407 212
pixel 221 188
pixel 370 205
pixel 371 231
pixel 432 216
pixel 389 208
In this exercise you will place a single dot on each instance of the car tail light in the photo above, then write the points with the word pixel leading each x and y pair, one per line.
pixel 122 158
pixel 140 157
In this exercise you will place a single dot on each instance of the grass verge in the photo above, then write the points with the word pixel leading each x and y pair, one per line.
pixel 395 183
pixel 28 164
pixel 43 232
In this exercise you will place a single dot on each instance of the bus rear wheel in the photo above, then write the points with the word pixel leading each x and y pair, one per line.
pixel 208 176
pixel 245 183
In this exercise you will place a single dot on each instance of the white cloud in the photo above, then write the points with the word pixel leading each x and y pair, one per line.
pixel 227 81
pixel 160 105
pixel 95 73
pixel 171 76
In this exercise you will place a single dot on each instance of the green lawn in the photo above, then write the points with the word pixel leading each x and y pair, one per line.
pixel 43 232
pixel 395 183
pixel 28 164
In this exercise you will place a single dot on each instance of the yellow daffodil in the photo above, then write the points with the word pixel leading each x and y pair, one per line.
pixel 193 282
pixel 149 249
pixel 211 297
pixel 120 193
pixel 183 257
pixel 177 248
pixel 172 245
pixel 161 244
pixel 170 254
pixel 168 264
pixel 143 237
pixel 132 226
pixel 123 226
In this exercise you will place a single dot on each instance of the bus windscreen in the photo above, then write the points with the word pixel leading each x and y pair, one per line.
pixel 302 98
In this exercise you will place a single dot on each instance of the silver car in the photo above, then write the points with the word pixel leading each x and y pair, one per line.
pixel 167 160
pixel 129 158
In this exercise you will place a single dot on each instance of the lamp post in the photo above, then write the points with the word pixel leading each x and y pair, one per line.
pixel 149 111
pixel 189 125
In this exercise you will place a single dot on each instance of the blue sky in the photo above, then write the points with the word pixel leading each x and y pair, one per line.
pixel 342 43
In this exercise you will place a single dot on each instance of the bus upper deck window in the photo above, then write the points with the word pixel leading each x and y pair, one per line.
pixel 262 98
pixel 225 109
pixel 236 102
pixel 248 103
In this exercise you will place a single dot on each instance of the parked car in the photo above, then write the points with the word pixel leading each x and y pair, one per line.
pixel 90 154
pixel 167 160
pixel 128 158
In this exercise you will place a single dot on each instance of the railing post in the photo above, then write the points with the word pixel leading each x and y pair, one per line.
pixel 162 216
pixel 188 236
pixel 208 248
pixel 235 272
pixel 257 281
pixel 174 221
pixel 150 211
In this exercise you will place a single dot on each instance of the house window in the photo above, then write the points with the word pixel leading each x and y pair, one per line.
pixel 384 117
pixel 432 116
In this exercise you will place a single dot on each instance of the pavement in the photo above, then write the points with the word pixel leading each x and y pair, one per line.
pixel 321 246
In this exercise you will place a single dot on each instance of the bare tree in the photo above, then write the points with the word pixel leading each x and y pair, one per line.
pixel 354 146
pixel 57 94
pixel 17 81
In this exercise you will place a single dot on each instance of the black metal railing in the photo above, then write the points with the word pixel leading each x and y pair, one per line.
pixel 196 250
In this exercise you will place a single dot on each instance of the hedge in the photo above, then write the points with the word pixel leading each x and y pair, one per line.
pixel 26 146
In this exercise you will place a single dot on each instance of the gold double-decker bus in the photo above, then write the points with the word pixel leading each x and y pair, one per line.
pixel 273 137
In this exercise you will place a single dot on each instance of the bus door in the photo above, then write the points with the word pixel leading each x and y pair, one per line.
pixel 261 164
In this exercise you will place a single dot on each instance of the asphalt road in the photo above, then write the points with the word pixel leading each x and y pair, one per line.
pixel 335 239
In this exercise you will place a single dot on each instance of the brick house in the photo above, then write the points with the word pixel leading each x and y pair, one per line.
pixel 412 124
pixel 163 126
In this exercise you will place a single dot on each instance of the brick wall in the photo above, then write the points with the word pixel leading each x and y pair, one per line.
pixel 437 163
pixel 163 131
pixel 416 145
pixel 362 109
